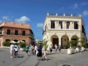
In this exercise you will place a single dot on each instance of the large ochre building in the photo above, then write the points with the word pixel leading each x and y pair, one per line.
pixel 11 31
pixel 58 29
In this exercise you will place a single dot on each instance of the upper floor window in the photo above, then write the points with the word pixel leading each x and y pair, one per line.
pixel 16 32
pixel 52 24
pixel 23 32
pixel 67 24
pixel 75 25
pixel 60 23
pixel 8 31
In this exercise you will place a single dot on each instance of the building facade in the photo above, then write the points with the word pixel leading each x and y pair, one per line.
pixel 10 31
pixel 58 29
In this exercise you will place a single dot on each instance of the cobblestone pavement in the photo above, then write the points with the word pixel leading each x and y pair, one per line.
pixel 62 59
pixel 5 59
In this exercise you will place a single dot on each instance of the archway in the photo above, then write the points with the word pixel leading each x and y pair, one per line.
pixel 64 40
pixel 75 38
pixel 54 40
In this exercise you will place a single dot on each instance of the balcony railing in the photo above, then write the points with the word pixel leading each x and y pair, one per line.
pixel 30 35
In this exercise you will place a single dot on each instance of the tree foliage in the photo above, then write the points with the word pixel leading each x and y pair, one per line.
pixel 22 44
pixel 44 44
pixel 6 43
pixel 83 42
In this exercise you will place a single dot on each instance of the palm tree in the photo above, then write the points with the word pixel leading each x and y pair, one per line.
pixel 44 43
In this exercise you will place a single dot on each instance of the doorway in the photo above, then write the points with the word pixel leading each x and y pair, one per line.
pixel 55 41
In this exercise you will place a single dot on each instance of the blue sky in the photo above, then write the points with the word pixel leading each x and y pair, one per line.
pixel 33 12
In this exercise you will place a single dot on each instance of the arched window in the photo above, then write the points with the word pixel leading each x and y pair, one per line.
pixel 7 39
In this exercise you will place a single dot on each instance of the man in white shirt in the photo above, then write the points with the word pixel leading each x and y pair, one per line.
pixel 12 50
pixel 36 49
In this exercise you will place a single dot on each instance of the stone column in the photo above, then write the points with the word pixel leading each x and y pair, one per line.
pixel 79 44
pixel 69 40
pixel 49 25
pixel 59 41
pixel 71 25
pixel 49 42
pixel 63 24
pixel 55 24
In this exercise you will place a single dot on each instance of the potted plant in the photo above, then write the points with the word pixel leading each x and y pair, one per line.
pixel 22 45
pixel 71 45
pixel 83 44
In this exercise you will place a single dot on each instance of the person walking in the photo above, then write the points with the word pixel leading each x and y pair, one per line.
pixel 33 49
pixel 50 48
pixel 27 49
pixel 12 50
pixel 36 48
pixel 39 54
pixel 55 48
pixel 59 48
pixel 45 55
pixel 16 50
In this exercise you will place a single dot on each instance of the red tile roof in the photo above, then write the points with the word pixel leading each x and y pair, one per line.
pixel 15 25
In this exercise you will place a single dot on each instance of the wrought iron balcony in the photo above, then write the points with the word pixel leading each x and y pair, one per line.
pixel 19 34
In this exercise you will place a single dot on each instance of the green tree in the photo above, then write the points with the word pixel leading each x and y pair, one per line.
pixel 83 42
pixel 71 44
pixel 6 43
pixel 44 43
pixel 22 44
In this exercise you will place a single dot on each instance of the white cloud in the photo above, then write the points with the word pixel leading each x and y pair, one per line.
pixel 5 17
pixel 24 19
pixel 75 5
pixel 40 25
pixel 85 13
pixel 84 3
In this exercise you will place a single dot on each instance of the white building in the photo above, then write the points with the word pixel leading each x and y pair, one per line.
pixel 59 29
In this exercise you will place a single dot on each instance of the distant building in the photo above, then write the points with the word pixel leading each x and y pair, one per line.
pixel 10 31
pixel 58 29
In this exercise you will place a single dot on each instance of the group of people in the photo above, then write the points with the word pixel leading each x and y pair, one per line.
pixel 36 50
pixel 14 48
pixel 57 48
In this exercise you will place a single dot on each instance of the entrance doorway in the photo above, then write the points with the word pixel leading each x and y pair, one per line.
pixel 55 41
